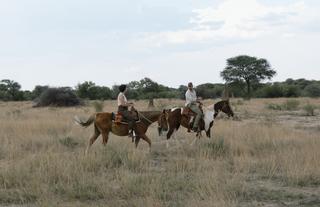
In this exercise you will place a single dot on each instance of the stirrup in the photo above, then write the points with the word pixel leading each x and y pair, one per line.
pixel 132 134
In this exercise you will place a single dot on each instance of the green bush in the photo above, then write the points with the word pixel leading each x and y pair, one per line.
pixel 291 91
pixel 274 106
pixel 63 96
pixel 239 102
pixel 291 105
pixel 310 109
pixel 270 91
pixel 68 142
pixel 312 90
pixel 98 105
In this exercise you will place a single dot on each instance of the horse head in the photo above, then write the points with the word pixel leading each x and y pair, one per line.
pixel 226 108
pixel 163 121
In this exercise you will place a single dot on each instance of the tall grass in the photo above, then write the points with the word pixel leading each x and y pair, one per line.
pixel 288 105
pixel 42 162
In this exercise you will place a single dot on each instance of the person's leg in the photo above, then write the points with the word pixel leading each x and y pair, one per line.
pixel 132 124
pixel 196 109
pixel 127 118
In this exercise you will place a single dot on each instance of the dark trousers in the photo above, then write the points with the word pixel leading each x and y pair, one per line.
pixel 128 117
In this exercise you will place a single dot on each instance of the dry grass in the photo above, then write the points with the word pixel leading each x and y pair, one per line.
pixel 268 158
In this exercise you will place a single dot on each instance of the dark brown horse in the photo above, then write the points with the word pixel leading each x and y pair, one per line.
pixel 104 124
pixel 223 106
pixel 176 118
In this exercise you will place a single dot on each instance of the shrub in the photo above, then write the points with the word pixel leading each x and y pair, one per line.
pixel 273 106
pixel 63 96
pixel 239 102
pixel 309 109
pixel 68 142
pixel 291 91
pixel 98 105
pixel 312 90
pixel 291 105
pixel 270 91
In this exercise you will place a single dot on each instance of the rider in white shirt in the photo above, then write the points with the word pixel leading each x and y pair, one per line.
pixel 123 106
pixel 192 102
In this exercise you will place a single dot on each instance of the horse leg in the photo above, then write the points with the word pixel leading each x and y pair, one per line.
pixel 136 141
pixel 194 140
pixel 145 138
pixel 93 138
pixel 170 132
pixel 105 137
pixel 175 137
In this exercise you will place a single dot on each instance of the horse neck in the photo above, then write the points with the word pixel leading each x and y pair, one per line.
pixel 150 116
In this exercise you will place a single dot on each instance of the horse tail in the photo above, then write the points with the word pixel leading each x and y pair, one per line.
pixel 87 123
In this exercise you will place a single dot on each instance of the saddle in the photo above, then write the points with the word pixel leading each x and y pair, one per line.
pixel 190 115
pixel 118 118
pixel 186 111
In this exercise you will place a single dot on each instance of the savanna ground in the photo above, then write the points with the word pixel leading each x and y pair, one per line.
pixel 266 157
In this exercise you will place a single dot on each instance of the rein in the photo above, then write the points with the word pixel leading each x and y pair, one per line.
pixel 140 114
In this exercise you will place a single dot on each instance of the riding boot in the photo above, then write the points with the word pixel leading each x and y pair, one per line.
pixel 130 128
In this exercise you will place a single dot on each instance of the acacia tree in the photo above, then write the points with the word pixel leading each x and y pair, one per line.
pixel 247 69
pixel 10 90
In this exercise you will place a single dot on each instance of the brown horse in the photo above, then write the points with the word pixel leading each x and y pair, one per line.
pixel 176 118
pixel 223 106
pixel 104 124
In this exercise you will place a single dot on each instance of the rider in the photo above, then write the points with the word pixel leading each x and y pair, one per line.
pixel 191 102
pixel 123 106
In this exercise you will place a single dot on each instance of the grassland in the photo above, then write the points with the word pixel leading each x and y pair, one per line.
pixel 268 156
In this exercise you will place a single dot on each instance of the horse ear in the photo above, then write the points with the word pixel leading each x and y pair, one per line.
pixel 164 111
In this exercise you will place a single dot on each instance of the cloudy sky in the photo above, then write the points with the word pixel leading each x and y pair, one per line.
pixel 65 42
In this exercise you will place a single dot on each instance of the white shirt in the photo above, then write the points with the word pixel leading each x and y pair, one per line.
pixel 191 97
pixel 122 99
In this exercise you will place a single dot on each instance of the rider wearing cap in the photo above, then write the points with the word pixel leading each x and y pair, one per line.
pixel 192 102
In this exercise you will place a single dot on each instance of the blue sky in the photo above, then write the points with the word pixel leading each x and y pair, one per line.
pixel 62 43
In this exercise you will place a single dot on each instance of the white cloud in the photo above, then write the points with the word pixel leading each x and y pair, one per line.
pixel 237 20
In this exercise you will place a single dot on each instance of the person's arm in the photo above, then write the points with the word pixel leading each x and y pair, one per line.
pixel 123 102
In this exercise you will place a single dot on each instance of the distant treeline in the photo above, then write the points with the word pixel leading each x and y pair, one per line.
pixel 147 89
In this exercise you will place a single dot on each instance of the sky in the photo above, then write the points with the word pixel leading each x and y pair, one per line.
pixel 173 42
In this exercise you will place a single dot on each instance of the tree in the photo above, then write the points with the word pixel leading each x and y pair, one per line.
pixel 86 90
pixel 247 69
pixel 312 90
pixel 58 97
pixel 38 90
pixel 209 90
pixel 10 90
